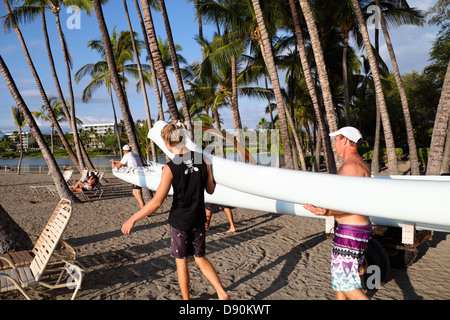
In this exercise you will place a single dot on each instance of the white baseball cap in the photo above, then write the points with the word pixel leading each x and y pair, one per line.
pixel 126 147
pixel 350 133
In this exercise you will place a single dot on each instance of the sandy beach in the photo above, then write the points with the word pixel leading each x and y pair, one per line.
pixel 270 257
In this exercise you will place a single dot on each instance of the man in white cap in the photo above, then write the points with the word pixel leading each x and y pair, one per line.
pixel 353 232
pixel 130 159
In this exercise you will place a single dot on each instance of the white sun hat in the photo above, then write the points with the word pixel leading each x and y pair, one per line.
pixel 350 133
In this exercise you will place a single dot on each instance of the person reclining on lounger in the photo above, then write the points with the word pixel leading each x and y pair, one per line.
pixel 86 186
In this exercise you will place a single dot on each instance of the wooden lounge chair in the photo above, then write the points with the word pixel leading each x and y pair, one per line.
pixel 35 274
pixel 63 252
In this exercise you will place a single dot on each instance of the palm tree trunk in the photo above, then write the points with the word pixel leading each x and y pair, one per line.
pixel 234 108
pixel 152 66
pixel 413 159
pixel 62 100
pixel 296 140
pixel 141 79
pixel 375 165
pixel 176 67
pixel 445 167
pixel 388 136
pixel 115 80
pixel 116 127
pixel 72 118
pixel 266 49
pixel 58 179
pixel 162 75
pixel 216 115
pixel 440 129
pixel 41 88
pixel 54 74
pixel 21 151
pixel 321 70
pixel 329 156
pixel 345 79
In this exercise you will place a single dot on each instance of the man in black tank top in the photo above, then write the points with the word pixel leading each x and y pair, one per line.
pixel 189 173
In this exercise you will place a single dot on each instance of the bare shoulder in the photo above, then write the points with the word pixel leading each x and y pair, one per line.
pixel 354 167
pixel 166 172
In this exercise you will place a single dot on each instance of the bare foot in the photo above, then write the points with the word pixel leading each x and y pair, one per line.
pixel 223 296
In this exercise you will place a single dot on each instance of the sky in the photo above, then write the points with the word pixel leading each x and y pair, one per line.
pixel 411 45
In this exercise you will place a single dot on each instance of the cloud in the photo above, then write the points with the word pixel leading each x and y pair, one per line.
pixel 30 93
pixel 96 119
pixel 8 49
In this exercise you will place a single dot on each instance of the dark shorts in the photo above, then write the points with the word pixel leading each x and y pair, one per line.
pixel 214 208
pixel 135 187
pixel 187 243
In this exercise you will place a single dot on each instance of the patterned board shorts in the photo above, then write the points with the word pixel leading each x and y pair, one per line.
pixel 347 253
pixel 187 243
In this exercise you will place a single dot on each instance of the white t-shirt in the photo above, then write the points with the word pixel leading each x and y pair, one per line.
pixel 131 159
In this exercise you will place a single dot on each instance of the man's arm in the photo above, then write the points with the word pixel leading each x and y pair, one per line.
pixel 154 203
pixel 322 211
pixel 116 163
pixel 210 182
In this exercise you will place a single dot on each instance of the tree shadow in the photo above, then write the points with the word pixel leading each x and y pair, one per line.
pixel 290 260
pixel 401 277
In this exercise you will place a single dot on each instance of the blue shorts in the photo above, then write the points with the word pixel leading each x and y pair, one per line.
pixel 187 243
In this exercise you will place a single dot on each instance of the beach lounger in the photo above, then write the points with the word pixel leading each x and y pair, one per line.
pixel 97 190
pixel 63 252
pixel 67 174
pixel 37 273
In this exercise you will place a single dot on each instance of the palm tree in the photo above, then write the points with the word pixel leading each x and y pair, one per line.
pixel 323 134
pixel 266 47
pixel 141 78
pixel 10 21
pixel 116 79
pixel 99 72
pixel 55 6
pixel 414 161
pixel 219 66
pixel 20 122
pixel 381 103
pixel 58 112
pixel 58 179
pixel 166 57
pixel 321 70
pixel 150 59
pixel 440 129
pixel 156 55
pixel 28 11
pixel 176 67
pixel 31 7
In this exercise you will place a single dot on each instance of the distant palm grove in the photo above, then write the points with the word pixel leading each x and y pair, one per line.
pixel 312 63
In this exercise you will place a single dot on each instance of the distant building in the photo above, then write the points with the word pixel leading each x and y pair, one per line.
pixel 27 139
pixel 100 129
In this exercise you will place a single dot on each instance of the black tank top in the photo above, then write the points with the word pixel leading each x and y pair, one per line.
pixel 189 181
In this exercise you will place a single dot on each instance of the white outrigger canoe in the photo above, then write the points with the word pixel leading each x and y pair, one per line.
pixel 419 201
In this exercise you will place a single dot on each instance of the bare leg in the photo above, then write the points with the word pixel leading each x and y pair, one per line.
pixel 210 273
pixel 351 295
pixel 183 277
pixel 230 219
pixel 208 219
pixel 138 195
